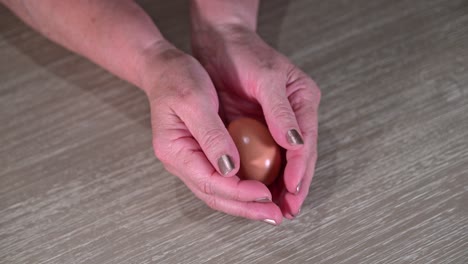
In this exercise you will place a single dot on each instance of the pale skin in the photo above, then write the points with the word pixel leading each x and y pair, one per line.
pixel 233 73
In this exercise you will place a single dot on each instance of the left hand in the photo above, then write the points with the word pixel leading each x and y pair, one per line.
pixel 253 80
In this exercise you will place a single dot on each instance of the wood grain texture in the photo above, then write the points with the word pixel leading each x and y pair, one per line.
pixel 79 182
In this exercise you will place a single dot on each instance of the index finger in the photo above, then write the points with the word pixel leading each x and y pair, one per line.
pixel 304 98
pixel 194 168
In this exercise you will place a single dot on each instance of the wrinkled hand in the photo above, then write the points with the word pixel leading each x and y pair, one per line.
pixel 191 140
pixel 254 80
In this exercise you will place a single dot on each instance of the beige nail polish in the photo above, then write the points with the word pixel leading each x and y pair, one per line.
pixel 270 221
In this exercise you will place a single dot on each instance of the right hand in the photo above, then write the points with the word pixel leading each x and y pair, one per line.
pixel 190 138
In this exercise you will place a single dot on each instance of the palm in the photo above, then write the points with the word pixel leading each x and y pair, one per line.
pixel 234 103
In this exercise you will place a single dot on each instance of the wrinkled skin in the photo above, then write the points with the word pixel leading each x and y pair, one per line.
pixel 189 136
pixel 254 80
pixel 237 75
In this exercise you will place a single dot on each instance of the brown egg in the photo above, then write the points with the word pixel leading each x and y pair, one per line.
pixel 259 154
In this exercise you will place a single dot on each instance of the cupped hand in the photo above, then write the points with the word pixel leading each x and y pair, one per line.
pixel 192 142
pixel 254 80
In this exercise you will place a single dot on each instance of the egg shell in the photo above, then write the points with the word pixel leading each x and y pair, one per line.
pixel 260 157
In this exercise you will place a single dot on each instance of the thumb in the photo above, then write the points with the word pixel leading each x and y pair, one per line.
pixel 202 120
pixel 280 116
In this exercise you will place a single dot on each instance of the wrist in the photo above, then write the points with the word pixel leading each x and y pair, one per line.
pixel 155 60
pixel 208 15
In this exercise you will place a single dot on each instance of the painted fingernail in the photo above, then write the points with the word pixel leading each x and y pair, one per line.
pixel 294 138
pixel 263 200
pixel 298 187
pixel 225 164
pixel 270 221
pixel 298 213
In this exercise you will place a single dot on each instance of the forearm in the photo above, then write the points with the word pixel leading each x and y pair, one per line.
pixel 118 34
pixel 215 13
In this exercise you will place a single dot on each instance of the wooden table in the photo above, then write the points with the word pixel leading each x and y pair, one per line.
pixel 79 182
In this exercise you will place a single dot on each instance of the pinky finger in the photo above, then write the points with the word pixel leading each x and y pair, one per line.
pixel 291 203
pixel 267 212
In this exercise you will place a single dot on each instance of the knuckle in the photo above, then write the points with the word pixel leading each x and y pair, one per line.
pixel 160 151
pixel 182 95
pixel 186 93
pixel 187 101
pixel 172 55
pixel 269 66
pixel 243 212
pixel 313 133
pixel 236 196
pixel 213 99
pixel 212 202
pixel 282 111
pixel 172 170
pixel 309 130
pixel 206 187
pixel 165 152
pixel 315 91
pixel 212 138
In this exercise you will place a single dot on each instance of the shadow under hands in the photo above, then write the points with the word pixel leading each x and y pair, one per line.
pixel 81 73
pixel 326 174
pixel 173 20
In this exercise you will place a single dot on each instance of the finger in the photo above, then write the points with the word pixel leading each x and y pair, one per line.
pixel 203 121
pixel 292 203
pixel 304 97
pixel 279 191
pixel 267 212
pixel 279 115
pixel 191 164
pixel 232 188
pixel 294 170
pixel 301 164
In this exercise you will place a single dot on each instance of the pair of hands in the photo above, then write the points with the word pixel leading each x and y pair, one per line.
pixel 236 74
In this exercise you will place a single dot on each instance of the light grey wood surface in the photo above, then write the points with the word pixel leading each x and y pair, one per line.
pixel 79 182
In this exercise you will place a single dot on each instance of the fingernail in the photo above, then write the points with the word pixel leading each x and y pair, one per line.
pixel 270 221
pixel 298 187
pixel 263 200
pixel 298 213
pixel 225 164
pixel 294 138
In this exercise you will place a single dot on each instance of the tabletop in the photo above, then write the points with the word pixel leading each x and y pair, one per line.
pixel 79 182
